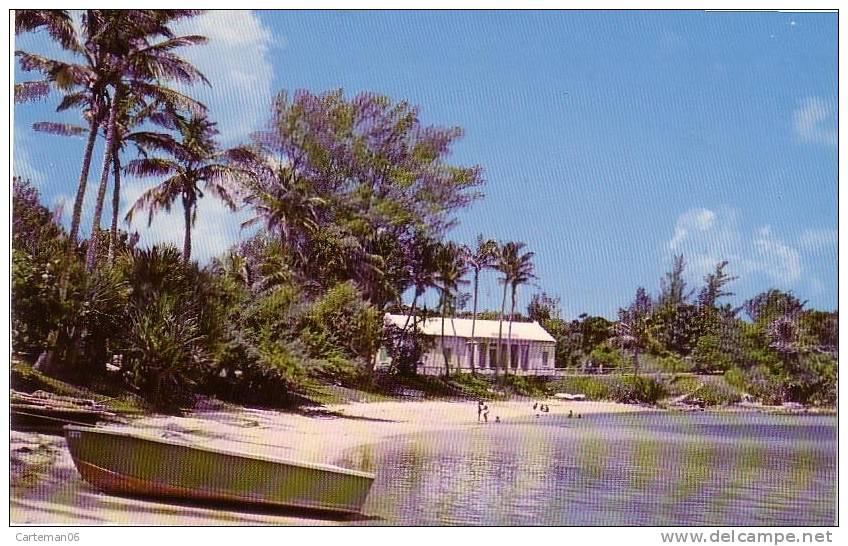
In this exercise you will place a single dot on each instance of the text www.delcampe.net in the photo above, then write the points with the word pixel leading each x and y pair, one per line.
pixel 752 537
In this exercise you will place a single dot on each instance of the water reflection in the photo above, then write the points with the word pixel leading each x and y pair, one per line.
pixel 640 469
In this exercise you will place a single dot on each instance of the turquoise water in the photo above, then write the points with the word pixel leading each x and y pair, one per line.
pixel 633 469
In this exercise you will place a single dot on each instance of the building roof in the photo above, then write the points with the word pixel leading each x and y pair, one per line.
pixel 484 329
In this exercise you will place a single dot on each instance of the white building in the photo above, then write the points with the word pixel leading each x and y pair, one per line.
pixel 531 352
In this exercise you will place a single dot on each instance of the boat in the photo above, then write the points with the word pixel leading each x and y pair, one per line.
pixel 50 419
pixel 569 396
pixel 123 462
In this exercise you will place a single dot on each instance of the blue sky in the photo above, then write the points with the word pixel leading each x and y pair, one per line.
pixel 610 140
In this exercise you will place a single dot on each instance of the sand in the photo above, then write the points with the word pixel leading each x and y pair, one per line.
pixel 46 487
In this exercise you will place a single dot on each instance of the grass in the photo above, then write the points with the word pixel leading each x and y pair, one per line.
pixel 25 378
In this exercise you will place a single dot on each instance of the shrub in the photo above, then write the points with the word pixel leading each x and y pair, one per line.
pixel 163 355
pixel 341 318
pixel 714 393
pixel 619 388
pixel 673 364
pixel 606 357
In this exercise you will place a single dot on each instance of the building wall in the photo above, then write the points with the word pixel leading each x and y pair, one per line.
pixel 534 357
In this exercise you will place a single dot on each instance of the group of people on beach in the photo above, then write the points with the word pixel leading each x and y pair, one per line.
pixel 539 407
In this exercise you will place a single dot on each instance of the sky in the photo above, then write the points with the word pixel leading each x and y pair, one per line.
pixel 609 141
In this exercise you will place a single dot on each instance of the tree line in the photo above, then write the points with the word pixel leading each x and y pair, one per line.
pixel 351 200
pixel 771 347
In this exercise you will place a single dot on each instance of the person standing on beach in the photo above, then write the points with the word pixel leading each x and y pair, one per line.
pixel 485 413
pixel 479 409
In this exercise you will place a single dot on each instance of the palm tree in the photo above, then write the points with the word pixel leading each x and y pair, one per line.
pixel 521 272
pixel 195 162
pixel 450 268
pixel 137 65
pixel 279 198
pixel 481 257
pixel 517 268
pixel 631 331
pixel 85 84
pixel 423 265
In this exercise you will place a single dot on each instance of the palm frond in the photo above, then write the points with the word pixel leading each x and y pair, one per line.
pixel 63 129
pixel 31 91
pixel 57 22
pixel 151 166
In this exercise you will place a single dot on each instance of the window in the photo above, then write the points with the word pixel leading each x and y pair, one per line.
pixel 482 348
pixel 493 356
pixel 447 352
pixel 513 356
pixel 545 359
pixel 525 357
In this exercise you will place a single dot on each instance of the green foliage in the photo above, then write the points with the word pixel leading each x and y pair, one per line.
pixel 711 354
pixel 606 357
pixel 714 393
pixel 618 388
pixel 673 364
pixel 164 356
pixel 342 319
pixel 526 386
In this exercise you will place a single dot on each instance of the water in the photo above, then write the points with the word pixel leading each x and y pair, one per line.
pixel 627 469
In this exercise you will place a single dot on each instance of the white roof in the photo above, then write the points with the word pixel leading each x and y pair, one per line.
pixel 483 329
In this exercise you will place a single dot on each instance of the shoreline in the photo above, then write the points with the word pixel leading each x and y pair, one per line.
pixel 47 489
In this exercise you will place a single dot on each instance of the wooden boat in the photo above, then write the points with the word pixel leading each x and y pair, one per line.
pixel 49 419
pixel 121 462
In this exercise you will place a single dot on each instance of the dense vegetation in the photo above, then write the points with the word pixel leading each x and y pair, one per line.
pixel 351 201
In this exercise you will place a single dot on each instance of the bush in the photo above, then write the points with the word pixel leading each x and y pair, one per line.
pixel 341 318
pixel 606 357
pixel 673 364
pixel 163 355
pixel 526 386
pixel 619 388
pixel 714 393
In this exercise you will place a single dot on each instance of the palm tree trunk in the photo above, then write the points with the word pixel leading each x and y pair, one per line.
pixel 187 206
pixel 500 332
pixel 116 203
pixel 91 255
pixel 444 317
pixel 475 354
pixel 83 180
pixel 509 334
pixel 411 311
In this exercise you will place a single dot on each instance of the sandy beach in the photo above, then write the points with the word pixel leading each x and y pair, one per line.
pixel 46 487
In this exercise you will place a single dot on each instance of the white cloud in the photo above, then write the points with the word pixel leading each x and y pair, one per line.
pixel 775 258
pixel 691 221
pixel 818 240
pixel 23 166
pixel 815 122
pixel 706 237
pixel 236 60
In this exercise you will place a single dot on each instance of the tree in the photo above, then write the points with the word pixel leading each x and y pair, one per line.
pixel 517 268
pixel 543 307
pixel 137 65
pixel 631 331
pixel 195 166
pixel 521 268
pixel 451 266
pixel 714 284
pixel 376 165
pixel 481 257
pixel 114 45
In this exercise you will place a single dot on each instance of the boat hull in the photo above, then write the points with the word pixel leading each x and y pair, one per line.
pixel 125 463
